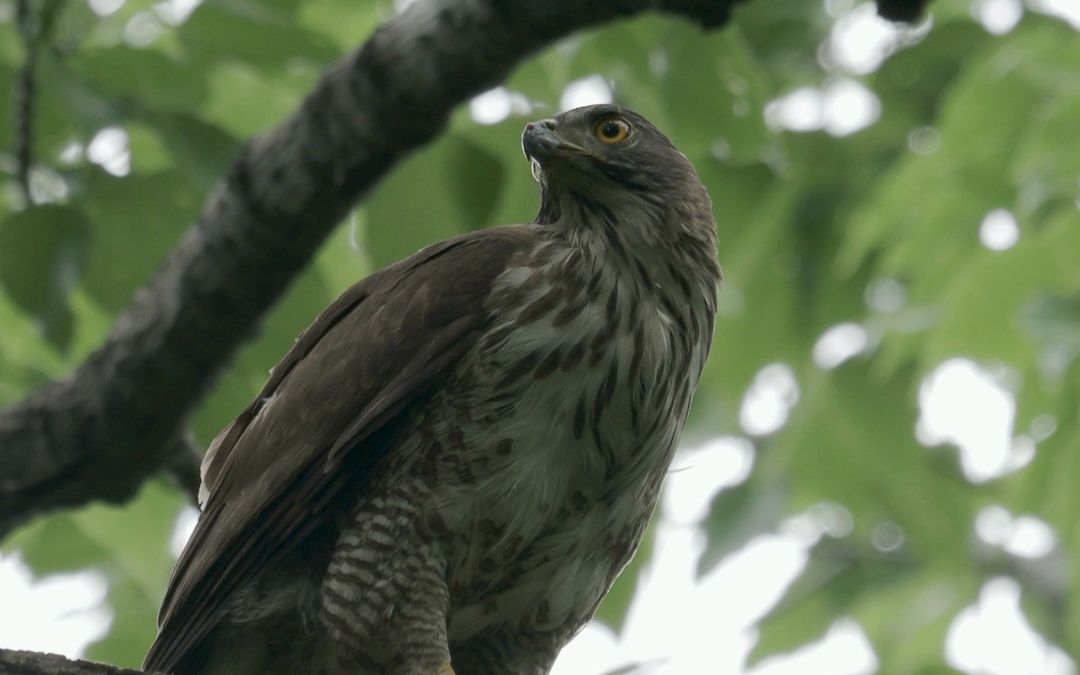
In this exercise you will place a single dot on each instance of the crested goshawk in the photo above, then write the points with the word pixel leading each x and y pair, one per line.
pixel 450 467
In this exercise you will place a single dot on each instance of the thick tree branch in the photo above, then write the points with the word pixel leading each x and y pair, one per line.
pixel 98 434
pixel 15 662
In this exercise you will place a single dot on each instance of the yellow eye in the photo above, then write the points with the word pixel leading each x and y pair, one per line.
pixel 612 130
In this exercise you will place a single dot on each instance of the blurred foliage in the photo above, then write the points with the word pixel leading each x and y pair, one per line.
pixel 812 227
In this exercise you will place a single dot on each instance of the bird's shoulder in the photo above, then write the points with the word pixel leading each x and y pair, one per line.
pixel 429 288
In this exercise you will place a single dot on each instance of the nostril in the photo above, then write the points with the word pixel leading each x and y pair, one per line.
pixel 530 126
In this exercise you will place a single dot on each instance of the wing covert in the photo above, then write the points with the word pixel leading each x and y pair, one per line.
pixel 380 348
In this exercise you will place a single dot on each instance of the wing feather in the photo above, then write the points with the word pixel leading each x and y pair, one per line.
pixel 366 361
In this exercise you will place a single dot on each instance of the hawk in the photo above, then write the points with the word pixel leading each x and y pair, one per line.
pixel 450 467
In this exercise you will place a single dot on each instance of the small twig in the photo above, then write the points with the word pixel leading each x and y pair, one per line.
pixel 23 103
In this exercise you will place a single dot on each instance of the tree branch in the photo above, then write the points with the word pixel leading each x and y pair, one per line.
pixel 28 21
pixel 15 662
pixel 99 434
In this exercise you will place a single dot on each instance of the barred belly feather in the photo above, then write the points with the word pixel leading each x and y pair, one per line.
pixel 515 473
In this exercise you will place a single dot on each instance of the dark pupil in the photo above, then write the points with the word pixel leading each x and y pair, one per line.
pixel 611 129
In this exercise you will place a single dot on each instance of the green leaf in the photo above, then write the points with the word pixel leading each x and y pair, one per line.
pixel 1053 322
pixel 739 514
pixel 134 220
pixel 1048 159
pixel 69 109
pixel 982 305
pixel 243 100
pixel 343 21
pixel 42 254
pixel 851 441
pixel 715 94
pixel 129 545
pixel 7 86
pixel 255 33
pixel 904 608
pixel 201 151
pixel 914 82
pixel 445 190
pixel 146 78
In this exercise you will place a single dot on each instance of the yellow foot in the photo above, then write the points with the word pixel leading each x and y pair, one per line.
pixel 445 669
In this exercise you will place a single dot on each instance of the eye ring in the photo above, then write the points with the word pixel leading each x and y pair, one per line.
pixel 612 130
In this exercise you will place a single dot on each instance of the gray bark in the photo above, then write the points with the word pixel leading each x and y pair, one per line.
pixel 15 662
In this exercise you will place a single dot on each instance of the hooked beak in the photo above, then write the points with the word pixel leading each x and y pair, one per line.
pixel 540 143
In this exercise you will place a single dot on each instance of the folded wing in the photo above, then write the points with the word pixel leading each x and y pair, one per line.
pixel 324 416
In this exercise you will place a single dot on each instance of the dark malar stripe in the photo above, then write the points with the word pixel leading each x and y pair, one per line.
pixel 628 177
pixel 594 208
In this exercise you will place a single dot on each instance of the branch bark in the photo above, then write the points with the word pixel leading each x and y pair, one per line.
pixel 17 662
pixel 100 433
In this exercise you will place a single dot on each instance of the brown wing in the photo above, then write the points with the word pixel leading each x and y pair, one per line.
pixel 379 348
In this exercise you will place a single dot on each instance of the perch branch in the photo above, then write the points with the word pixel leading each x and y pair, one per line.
pixel 16 662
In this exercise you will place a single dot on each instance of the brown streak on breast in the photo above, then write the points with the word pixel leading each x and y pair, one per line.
pixel 567 314
pixel 613 317
pixel 540 307
pixel 579 418
pixel 549 365
pixel 518 370
pixel 573 355
pixel 598 345
pixel 606 391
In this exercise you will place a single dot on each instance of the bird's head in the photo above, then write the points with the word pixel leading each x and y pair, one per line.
pixel 607 161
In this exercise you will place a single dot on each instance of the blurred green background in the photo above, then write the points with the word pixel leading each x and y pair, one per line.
pixel 890 199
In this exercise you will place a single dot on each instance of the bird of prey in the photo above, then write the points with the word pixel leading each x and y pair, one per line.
pixel 450 467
